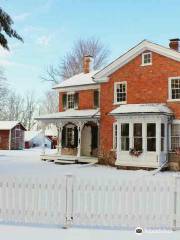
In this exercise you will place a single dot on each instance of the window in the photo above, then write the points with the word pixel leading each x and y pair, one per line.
pixel 146 58
pixel 120 92
pixel 174 88
pixel 70 101
pixel 151 137
pixel 96 98
pixel 175 137
pixel 138 136
pixel 115 136
pixel 162 136
pixel 125 137
pixel 69 136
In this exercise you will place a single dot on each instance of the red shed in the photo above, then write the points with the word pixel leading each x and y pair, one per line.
pixel 11 135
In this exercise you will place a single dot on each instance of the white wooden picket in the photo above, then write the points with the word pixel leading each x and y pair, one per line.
pixel 177 204
pixel 125 202
pixel 33 200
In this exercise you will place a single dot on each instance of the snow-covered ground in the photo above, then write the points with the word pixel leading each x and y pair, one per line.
pixel 27 163
pixel 8 232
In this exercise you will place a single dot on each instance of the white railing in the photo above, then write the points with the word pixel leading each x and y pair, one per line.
pixel 125 202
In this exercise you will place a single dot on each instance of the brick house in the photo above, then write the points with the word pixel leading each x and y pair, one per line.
pixel 11 135
pixel 132 106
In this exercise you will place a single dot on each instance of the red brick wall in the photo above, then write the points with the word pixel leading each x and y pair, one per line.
pixel 86 100
pixel 4 139
pixel 145 84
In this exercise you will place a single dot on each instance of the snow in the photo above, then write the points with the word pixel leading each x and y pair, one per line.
pixel 27 163
pixel 142 108
pixel 13 232
pixel 78 80
pixel 71 113
pixel 29 135
pixel 7 125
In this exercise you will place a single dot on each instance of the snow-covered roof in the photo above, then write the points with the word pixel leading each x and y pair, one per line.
pixel 77 80
pixel 71 113
pixel 103 74
pixel 142 108
pixel 8 125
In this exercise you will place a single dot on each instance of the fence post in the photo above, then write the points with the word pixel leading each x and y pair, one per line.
pixel 69 201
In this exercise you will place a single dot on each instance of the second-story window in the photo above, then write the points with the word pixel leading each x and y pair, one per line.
pixel 120 92
pixel 174 88
pixel 96 98
pixel 70 101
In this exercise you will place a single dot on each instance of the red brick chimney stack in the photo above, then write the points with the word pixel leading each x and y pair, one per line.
pixel 87 64
pixel 175 44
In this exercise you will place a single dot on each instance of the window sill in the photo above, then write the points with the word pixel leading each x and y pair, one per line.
pixel 120 103
pixel 145 64
pixel 173 100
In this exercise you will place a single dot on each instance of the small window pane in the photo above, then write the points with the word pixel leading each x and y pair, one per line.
pixel 125 137
pixel 138 136
pixel 151 137
pixel 175 136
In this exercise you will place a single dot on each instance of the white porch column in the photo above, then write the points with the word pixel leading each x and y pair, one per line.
pixel 80 127
pixel 158 139
pixel 166 138
pixel 118 140
pixel 59 147
pixel 131 135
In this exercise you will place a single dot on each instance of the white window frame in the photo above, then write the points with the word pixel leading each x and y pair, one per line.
pixel 115 136
pixel 115 92
pixel 170 90
pixel 67 103
pixel 143 55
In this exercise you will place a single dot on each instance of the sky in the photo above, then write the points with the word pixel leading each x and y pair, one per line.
pixel 50 28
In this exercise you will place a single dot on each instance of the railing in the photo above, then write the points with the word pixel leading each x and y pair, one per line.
pixel 121 201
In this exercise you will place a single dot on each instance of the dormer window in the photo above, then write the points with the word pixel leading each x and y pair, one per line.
pixel 146 58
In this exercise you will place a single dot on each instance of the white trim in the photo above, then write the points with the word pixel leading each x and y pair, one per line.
pixel 142 59
pixel 170 90
pixel 78 88
pixel 131 54
pixel 114 128
pixel 115 93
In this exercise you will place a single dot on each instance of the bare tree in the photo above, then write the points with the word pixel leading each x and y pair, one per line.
pixel 30 109
pixel 72 63
pixel 49 103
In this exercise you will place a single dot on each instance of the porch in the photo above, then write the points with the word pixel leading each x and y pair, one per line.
pixel 78 136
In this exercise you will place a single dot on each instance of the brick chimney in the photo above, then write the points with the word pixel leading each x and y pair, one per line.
pixel 87 64
pixel 175 44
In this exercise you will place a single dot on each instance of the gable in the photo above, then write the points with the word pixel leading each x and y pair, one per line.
pixel 102 76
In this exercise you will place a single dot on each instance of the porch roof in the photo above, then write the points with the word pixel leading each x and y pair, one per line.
pixel 71 114
pixel 142 109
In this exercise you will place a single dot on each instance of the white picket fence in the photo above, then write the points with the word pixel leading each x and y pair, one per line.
pixel 146 201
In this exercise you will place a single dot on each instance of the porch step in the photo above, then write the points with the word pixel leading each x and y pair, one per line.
pixel 61 161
